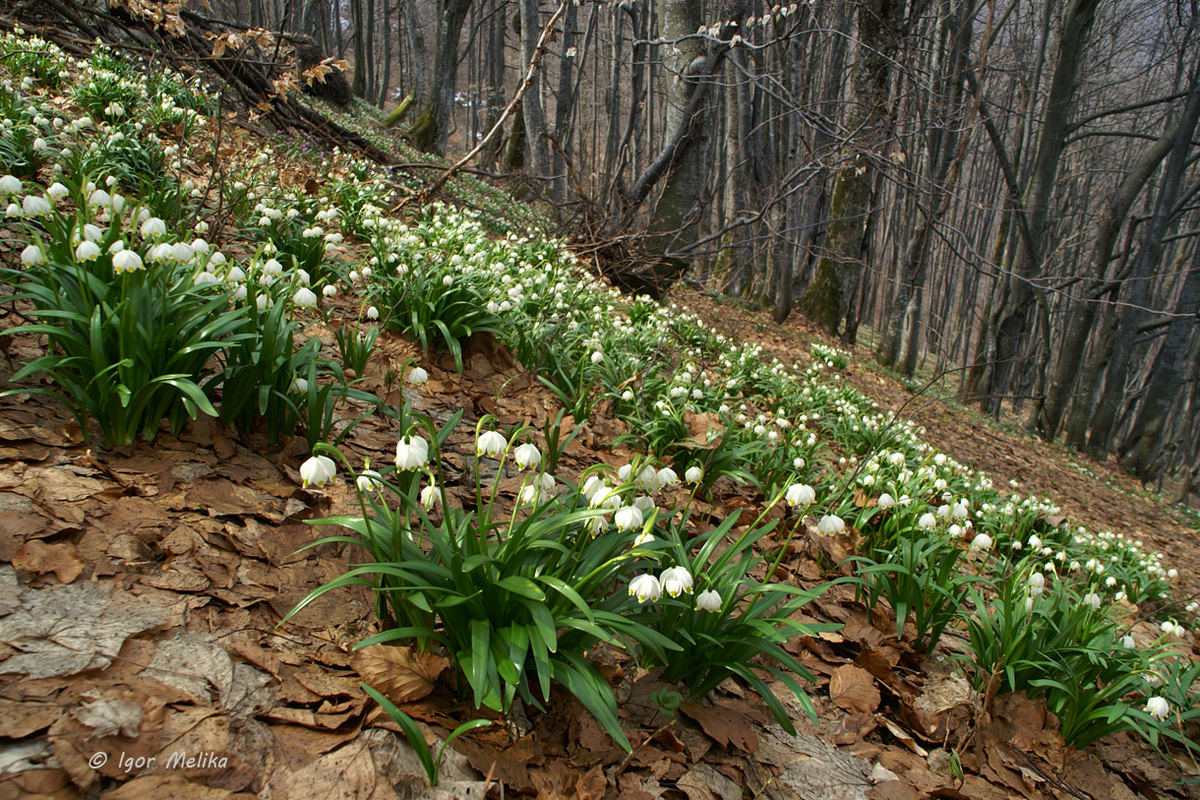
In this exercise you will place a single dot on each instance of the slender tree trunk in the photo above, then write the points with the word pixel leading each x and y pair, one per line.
pixel 829 297
pixel 432 128
pixel 1083 316
pixel 537 160
pixel 1010 322
pixel 1165 386
pixel 1147 260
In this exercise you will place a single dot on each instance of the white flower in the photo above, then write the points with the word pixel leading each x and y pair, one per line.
pixel 644 503
pixel 981 542
pixel 666 477
pixel 693 474
pixel 1172 573
pixel 87 251
pixel 100 199
pixel 34 206
pixel 153 227
pixel 927 520
pixel 801 494
pixel 593 485
pixel 645 587
pixel 32 255
pixel 56 192
pixel 368 480
pixel 831 524
pixel 886 501
pixel 646 479
pixel 329 290
pixel 412 452
pixel 304 298
pixel 527 456
pixel 417 376
pixel 317 470
pixel 431 496
pixel 708 601
pixel 628 518
pixel 627 395
pixel 676 580
pixel 372 313
pixel 1037 583
pixel 529 494
pixel 644 538
pixel 10 184
pixel 1127 641
pixel 490 443
pixel 1158 707
pixel 597 357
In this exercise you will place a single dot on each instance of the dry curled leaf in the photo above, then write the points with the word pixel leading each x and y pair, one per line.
pixel 401 674
pixel 38 557
pixel 853 689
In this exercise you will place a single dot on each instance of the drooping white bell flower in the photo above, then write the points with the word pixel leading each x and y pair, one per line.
pixel 153 228
pixel 417 376
pixel 708 601
pixel 34 206
pixel 693 474
pixel 32 255
pixel 305 298
pixel 527 456
pixel 1158 707
pixel 801 494
pixel 431 496
pixel 676 580
pixel 412 452
pixel 645 587
pixel 981 542
pixel 318 470
pixel 490 443
pixel 126 261
pixel 666 477
pixel 87 251
pixel 628 518
pixel 831 524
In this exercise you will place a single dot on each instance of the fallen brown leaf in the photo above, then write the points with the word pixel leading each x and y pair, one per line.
pixel 399 673
pixel 853 689
pixel 38 557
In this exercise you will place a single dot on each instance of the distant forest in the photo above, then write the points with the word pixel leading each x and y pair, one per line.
pixel 1004 192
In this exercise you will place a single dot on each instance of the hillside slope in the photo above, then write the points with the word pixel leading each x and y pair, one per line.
pixel 657 507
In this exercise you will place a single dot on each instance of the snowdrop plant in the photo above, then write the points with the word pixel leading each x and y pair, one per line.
pixel 127 348
pixel 700 594
pixel 514 599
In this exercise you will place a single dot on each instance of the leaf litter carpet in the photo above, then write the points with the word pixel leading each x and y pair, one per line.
pixel 141 656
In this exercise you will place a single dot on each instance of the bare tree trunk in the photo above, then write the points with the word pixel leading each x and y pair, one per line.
pixel 829 298
pixel 1083 316
pixel 1010 321
pixel 432 128
pixel 537 150
pixel 1164 389
pixel 1144 266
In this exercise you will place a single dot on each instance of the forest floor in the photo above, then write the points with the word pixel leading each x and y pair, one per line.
pixel 145 586
pixel 142 589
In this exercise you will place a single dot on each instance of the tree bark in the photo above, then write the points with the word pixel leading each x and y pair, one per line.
pixel 1083 316
pixel 1166 382
pixel 829 297
pixel 432 128
pixel 1146 262
pixel 1010 322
